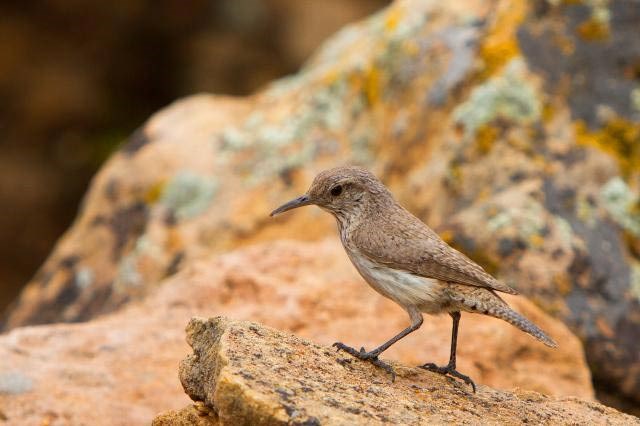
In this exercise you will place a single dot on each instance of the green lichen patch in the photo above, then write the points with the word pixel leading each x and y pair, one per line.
pixel 586 210
pixel 508 96
pixel 188 194
pixel 622 205
pixel 268 147
pixel 356 71
pixel 527 220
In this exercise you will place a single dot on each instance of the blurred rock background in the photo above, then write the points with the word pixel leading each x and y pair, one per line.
pixel 511 127
pixel 76 79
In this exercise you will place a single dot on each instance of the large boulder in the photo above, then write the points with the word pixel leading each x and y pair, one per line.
pixel 511 127
pixel 241 373
pixel 122 368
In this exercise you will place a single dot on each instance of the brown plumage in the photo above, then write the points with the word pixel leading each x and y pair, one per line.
pixel 404 242
pixel 403 259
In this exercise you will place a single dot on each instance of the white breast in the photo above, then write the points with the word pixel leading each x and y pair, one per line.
pixel 400 286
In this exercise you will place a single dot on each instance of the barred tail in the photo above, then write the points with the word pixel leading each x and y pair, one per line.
pixel 517 320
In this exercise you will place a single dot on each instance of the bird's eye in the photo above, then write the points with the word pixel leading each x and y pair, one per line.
pixel 336 190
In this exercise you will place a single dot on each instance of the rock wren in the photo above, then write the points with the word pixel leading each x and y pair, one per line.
pixel 406 261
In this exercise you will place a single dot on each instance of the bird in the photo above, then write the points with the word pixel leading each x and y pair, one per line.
pixel 404 260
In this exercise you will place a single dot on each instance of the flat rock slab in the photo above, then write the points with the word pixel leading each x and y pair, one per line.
pixel 246 373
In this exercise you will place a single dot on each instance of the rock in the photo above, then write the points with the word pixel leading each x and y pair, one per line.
pixel 120 369
pixel 255 375
pixel 457 107
pixel 188 416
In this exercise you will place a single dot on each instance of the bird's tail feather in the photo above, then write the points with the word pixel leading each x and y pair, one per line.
pixel 484 301
pixel 512 317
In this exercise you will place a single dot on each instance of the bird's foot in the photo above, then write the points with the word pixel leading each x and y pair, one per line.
pixel 371 356
pixel 449 370
pixel 361 354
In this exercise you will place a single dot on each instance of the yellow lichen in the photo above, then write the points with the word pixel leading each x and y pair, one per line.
pixel 486 136
pixel 372 85
pixel 447 236
pixel 633 243
pixel 562 283
pixel 483 259
pixel 618 137
pixel 547 112
pixel 480 256
pixel 565 44
pixel 536 240
pixel 484 194
pixel 330 78
pixel 594 30
pixel 411 48
pixel 154 192
pixel 392 19
pixel 501 44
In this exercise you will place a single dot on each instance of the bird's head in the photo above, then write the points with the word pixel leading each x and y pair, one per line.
pixel 342 191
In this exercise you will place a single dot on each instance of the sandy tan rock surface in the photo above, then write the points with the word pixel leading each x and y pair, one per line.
pixel 247 374
pixel 122 368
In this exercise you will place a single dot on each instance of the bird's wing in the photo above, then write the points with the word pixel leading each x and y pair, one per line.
pixel 413 247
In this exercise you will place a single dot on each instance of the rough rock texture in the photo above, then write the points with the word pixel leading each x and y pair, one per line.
pixel 248 374
pixel 122 368
pixel 187 416
pixel 511 127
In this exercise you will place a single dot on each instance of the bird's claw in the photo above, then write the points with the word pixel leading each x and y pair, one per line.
pixel 361 354
pixel 371 357
pixel 449 370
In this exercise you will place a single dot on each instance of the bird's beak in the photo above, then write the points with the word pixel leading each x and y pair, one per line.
pixel 303 200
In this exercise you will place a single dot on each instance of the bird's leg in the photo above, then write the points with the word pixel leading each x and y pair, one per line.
pixel 450 369
pixel 372 356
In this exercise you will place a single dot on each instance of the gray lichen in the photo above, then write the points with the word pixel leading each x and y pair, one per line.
pixel 15 383
pixel 527 219
pixel 462 42
pixel 600 11
pixel 565 232
pixel 635 99
pixel 269 144
pixel 509 96
pixel 271 147
pixel 188 194
pixel 634 286
pixel 619 201
pixel 84 277
pixel 128 275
